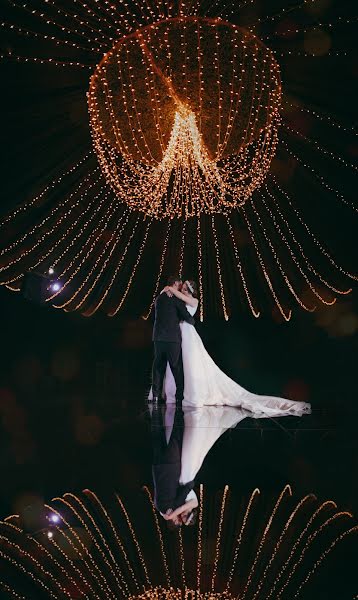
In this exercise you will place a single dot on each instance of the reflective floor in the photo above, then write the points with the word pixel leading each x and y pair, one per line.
pixel 280 530
pixel 277 498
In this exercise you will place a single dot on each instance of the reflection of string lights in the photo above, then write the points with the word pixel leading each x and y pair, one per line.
pixel 184 111
pixel 104 551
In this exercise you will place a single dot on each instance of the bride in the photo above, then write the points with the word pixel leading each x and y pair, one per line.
pixel 205 384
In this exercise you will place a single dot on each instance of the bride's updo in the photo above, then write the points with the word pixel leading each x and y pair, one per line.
pixel 192 287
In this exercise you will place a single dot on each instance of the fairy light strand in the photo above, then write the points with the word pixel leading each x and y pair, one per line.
pixel 319 177
pixel 309 232
pixel 302 253
pixel 264 271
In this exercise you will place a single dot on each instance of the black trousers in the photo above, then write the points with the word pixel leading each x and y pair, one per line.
pixel 167 352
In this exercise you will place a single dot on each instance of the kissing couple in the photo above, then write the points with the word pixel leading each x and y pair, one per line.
pixel 184 372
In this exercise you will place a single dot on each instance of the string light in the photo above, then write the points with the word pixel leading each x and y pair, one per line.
pixel 312 54
pixel 279 542
pixel 99 260
pixel 323 556
pixel 200 537
pixel 117 268
pixel 47 574
pixel 50 186
pixel 86 249
pixel 114 311
pixel 200 271
pixel 282 12
pixel 318 177
pixel 17 564
pixel 108 558
pixel 64 236
pixel 182 248
pixel 255 313
pixel 321 117
pixel 308 230
pixel 162 259
pixel 286 490
pixel 309 265
pixel 160 536
pixel 308 543
pixel 112 565
pixel 221 286
pixel 135 540
pixel 81 550
pixel 262 264
pixel 219 537
pixel 324 151
pixel 184 112
pixel 94 235
pixel 51 214
pixel 97 501
pixel 278 262
pixel 64 28
pixel 37 35
pixel 44 61
pixel 317 512
pixel 294 30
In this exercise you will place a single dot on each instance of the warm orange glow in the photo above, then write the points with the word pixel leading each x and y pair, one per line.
pixel 184 116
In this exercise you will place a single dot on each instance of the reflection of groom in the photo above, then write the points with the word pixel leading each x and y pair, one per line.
pixel 169 311
pixel 167 443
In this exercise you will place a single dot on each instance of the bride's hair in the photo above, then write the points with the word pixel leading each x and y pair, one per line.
pixel 193 287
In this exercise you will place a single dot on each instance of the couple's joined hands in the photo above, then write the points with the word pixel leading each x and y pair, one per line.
pixel 181 513
pixel 168 290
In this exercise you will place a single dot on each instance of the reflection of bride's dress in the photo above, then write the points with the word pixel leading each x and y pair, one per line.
pixel 206 384
pixel 202 428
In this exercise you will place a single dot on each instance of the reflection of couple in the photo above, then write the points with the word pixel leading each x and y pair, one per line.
pixel 181 438
pixel 183 371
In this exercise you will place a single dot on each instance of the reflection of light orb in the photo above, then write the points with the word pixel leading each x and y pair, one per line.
pixel 160 593
pixel 251 549
pixel 51 271
pixel 184 116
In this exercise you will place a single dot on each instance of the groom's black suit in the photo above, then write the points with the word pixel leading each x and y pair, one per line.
pixel 167 342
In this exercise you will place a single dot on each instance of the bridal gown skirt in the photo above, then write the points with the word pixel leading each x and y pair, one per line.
pixel 206 385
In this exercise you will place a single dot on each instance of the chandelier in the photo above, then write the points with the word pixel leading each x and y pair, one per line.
pixel 184 116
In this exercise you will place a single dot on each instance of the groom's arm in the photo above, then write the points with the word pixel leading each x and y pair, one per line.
pixel 184 315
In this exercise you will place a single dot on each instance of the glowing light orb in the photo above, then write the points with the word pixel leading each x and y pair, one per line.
pixel 184 116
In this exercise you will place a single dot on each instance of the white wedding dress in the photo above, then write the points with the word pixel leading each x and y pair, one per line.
pixel 205 384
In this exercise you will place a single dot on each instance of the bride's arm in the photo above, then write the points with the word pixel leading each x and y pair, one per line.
pixel 187 299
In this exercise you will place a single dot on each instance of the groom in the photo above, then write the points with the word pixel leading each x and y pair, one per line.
pixel 169 311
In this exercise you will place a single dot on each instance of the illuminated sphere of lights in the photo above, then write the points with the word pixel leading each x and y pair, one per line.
pixel 184 116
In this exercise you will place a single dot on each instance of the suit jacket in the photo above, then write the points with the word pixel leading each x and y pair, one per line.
pixel 168 314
